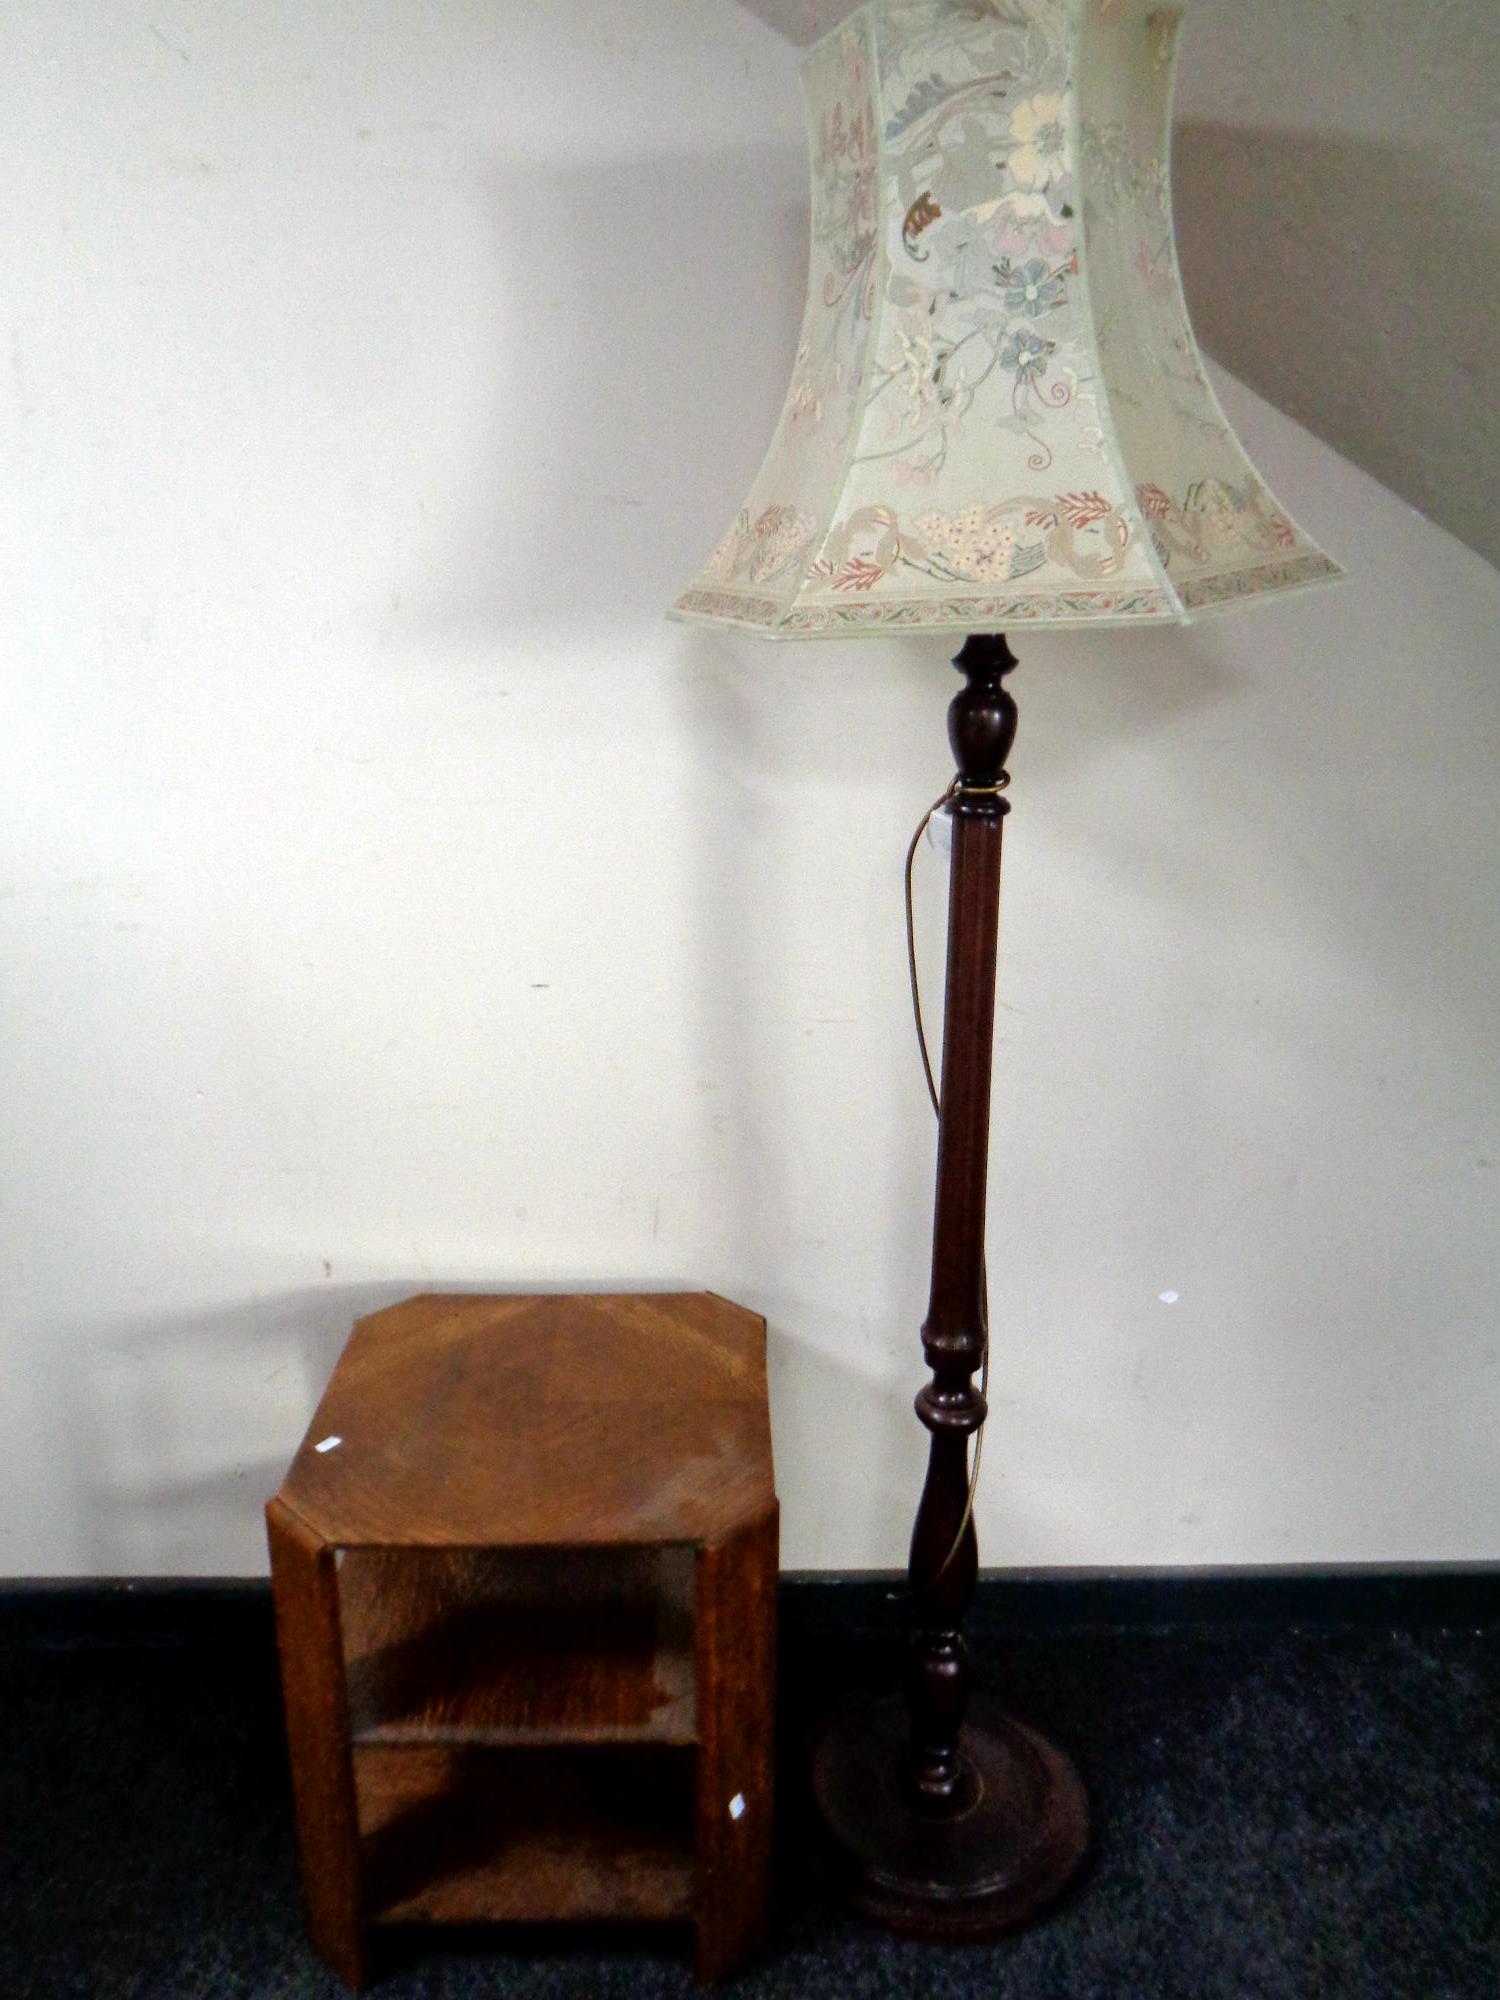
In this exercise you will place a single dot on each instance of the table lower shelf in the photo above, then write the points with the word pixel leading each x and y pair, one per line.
pixel 542 1834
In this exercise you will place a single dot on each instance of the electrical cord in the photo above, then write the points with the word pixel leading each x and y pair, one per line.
pixel 932 1091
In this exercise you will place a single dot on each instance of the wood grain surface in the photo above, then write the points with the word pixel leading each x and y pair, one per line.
pixel 543 1421
pixel 526 1614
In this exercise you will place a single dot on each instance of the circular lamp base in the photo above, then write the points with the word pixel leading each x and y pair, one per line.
pixel 1011 1849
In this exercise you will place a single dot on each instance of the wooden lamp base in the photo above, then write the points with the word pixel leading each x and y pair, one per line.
pixel 1008 1849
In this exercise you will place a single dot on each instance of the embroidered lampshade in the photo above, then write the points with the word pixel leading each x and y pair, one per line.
pixel 998 414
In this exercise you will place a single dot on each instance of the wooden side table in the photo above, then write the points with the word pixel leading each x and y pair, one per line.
pixel 525 1576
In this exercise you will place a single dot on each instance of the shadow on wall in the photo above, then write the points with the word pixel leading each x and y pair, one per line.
pixel 186 1423
pixel 159 1407
pixel 1356 292
pixel 661 370
pixel 801 21
pixel 850 1442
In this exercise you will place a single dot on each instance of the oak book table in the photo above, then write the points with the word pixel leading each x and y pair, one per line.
pixel 525 1576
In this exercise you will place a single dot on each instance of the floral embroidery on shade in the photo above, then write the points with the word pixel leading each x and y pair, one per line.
pixel 923 212
pixel 1084 533
pixel 1213 519
pixel 1026 353
pixel 1032 289
pixel 773 543
pixel 1039 129
pixel 997 407
pixel 804 403
pixel 1003 245
pixel 845 166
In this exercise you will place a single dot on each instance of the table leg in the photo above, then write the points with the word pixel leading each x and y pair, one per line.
pixel 735 1646
pixel 304 1579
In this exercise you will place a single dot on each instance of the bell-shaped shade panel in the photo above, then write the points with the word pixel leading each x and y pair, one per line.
pixel 998 413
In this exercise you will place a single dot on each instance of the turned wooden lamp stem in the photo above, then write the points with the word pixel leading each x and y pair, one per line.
pixel 945 1816
pixel 944 1549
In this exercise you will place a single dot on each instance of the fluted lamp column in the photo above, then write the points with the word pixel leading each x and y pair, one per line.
pixel 998 418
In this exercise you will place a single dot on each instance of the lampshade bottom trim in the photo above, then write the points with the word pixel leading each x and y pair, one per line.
pixel 1291 573
pixel 769 618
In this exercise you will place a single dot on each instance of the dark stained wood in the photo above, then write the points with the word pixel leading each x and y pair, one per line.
pixel 986 1870
pixel 540 1835
pixel 529 1627
pixel 943 1824
pixel 736 1650
pixel 944 1551
pixel 304 1581
pixel 494 1646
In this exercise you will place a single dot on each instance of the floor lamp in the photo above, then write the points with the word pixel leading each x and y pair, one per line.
pixel 998 418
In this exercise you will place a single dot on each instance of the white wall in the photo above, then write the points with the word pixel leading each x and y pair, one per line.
pixel 391 898
pixel 1338 168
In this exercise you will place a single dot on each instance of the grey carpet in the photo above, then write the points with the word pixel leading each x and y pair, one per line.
pixel 1279 1813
